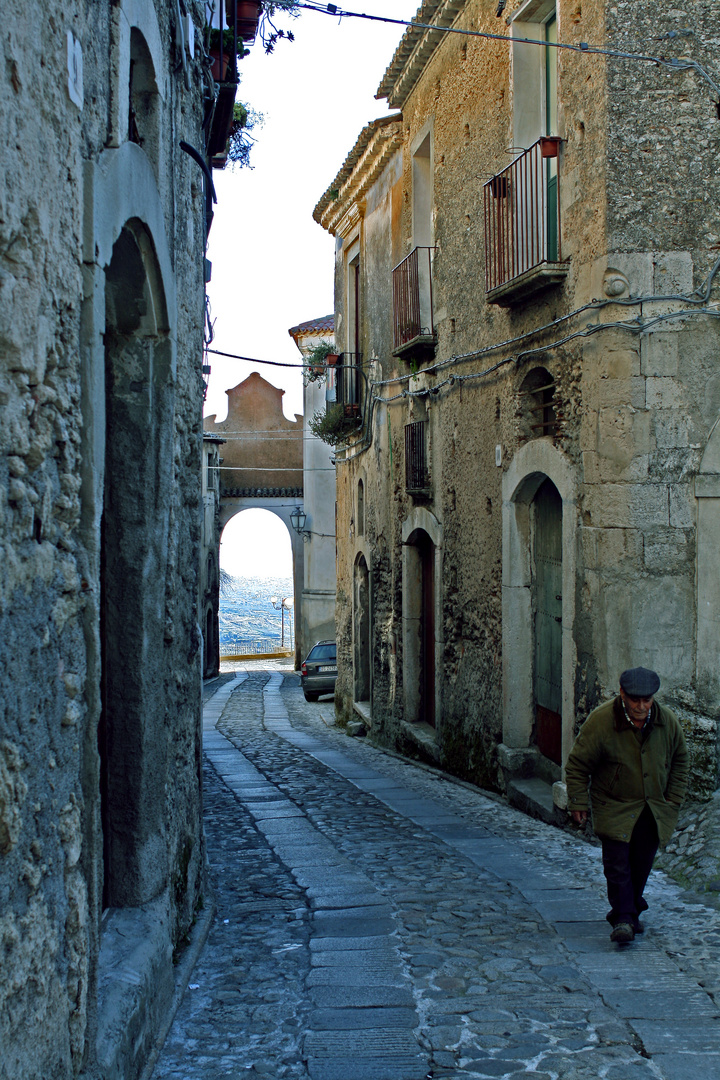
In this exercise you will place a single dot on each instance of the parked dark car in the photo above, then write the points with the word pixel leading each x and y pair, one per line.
pixel 319 671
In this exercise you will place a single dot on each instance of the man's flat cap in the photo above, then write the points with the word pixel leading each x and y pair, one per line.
pixel 640 682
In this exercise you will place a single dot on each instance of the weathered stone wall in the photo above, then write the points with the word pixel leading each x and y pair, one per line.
pixel 52 450
pixel 639 223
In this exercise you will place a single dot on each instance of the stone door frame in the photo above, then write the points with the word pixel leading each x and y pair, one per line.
pixel 534 463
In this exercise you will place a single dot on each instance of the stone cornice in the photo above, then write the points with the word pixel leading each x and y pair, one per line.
pixel 416 50
pixel 341 207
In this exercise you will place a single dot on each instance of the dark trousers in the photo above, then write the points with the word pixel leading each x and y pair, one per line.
pixel 627 867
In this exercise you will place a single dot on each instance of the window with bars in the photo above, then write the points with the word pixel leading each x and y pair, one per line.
pixel 539 405
pixel 417 475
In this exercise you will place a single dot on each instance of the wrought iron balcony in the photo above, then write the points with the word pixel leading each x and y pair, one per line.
pixel 345 385
pixel 414 335
pixel 522 225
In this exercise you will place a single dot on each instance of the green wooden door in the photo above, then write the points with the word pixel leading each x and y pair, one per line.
pixel 548 620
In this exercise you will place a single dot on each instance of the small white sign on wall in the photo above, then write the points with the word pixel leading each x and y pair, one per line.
pixel 498 455
pixel 75 70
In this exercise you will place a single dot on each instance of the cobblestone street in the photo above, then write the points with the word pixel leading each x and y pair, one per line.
pixel 377 921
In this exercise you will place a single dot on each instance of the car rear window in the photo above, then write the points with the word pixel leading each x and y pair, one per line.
pixel 323 652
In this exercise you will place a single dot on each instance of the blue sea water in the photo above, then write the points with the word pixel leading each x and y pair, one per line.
pixel 246 614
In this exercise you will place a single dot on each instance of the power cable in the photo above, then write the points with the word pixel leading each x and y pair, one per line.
pixel 582 47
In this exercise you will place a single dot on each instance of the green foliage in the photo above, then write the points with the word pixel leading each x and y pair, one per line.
pixel 268 31
pixel 245 118
pixel 332 426
pixel 316 362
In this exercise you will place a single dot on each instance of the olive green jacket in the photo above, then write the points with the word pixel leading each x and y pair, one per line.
pixel 627 769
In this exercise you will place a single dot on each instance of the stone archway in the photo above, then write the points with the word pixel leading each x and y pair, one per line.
pixel 281 503
pixel 133 556
pixel 422 537
pixel 532 466
pixel 362 634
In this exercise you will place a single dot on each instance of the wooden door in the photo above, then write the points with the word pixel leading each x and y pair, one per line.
pixel 548 620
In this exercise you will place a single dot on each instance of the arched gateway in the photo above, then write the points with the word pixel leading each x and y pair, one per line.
pixel 261 465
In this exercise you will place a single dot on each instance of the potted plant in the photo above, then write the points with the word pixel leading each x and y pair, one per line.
pixel 332 426
pixel 221 49
pixel 549 145
pixel 317 360
pixel 246 14
pixel 241 141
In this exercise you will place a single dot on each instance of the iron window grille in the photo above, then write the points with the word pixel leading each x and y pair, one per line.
pixel 417 475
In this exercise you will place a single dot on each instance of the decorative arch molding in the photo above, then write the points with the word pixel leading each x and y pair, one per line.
pixel 363 548
pixel 421 518
pixel 707 494
pixel 120 193
pixel 530 467
pixel 120 188
pixel 138 15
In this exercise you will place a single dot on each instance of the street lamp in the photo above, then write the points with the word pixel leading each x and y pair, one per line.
pixel 297 520
pixel 283 604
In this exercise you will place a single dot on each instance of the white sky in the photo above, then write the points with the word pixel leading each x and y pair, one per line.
pixel 272 265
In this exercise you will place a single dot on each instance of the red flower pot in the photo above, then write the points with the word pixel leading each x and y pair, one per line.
pixel 331 359
pixel 247 13
pixel 219 65
pixel 549 145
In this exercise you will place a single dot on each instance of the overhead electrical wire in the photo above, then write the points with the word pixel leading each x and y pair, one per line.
pixel 682 64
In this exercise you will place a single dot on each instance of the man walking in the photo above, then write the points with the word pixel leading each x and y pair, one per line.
pixel 631 755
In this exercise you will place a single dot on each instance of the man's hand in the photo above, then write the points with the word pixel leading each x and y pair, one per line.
pixel 579 816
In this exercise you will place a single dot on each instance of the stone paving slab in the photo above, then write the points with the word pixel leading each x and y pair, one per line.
pixel 465 939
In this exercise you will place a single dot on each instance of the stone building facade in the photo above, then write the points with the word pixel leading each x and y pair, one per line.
pixel 317 599
pixel 103 222
pixel 526 261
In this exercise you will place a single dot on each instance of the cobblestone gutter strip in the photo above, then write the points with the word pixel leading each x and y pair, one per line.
pixel 242 1015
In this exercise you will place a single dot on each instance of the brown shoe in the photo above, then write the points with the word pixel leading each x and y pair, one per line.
pixel 622 933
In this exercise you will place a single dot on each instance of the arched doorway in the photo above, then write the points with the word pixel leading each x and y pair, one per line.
pixel 547 607
pixel 419 628
pixel 361 630
pixel 539 513
pixel 134 527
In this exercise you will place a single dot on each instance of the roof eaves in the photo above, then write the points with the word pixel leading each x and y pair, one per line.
pixel 416 49
pixel 374 142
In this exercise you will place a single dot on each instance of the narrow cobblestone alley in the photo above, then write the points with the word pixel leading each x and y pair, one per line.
pixel 377 921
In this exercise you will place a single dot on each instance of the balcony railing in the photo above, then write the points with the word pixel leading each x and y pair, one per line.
pixel 345 386
pixel 413 323
pixel 522 222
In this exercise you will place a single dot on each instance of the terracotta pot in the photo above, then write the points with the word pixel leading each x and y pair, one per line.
pixel 247 13
pixel 219 65
pixel 549 145
pixel 331 359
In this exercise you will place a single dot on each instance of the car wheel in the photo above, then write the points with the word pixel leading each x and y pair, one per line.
pixel 310 697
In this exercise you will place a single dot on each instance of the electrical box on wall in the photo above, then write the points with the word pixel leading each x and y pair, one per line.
pixel 75 70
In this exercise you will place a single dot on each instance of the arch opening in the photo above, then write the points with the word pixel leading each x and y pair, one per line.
pixel 362 630
pixel 419 657
pixel 258 584
pixel 134 525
